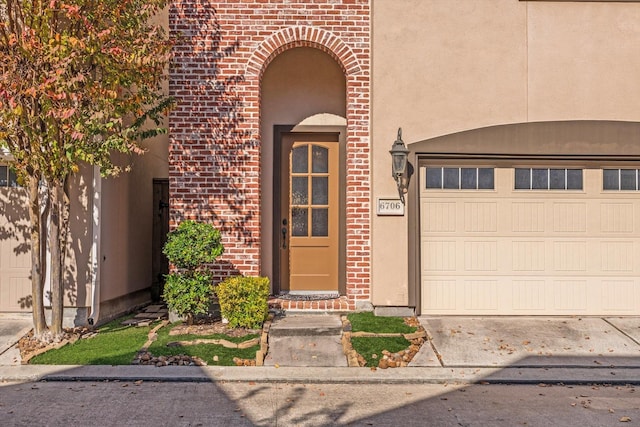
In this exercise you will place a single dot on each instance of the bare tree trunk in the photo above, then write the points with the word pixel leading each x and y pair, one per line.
pixel 37 278
pixel 56 258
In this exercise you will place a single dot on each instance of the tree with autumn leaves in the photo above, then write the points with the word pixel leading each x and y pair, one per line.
pixel 80 80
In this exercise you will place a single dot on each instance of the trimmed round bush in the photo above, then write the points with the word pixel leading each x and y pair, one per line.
pixel 244 301
pixel 193 244
pixel 188 294
pixel 190 247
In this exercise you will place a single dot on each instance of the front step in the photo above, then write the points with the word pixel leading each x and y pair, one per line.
pixel 310 325
pixel 311 340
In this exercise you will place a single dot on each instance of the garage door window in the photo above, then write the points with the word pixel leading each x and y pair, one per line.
pixel 548 179
pixel 458 178
pixel 620 179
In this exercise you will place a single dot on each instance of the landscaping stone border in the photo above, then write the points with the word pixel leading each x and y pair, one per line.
pixel 388 360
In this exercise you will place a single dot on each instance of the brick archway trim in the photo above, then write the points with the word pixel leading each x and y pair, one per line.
pixel 301 36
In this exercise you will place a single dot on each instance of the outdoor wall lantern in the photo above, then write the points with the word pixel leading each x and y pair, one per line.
pixel 400 165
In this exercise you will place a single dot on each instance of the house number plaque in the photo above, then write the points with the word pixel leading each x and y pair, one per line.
pixel 389 207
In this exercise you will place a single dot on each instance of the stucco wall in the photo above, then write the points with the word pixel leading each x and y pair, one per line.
pixel 127 214
pixel 444 67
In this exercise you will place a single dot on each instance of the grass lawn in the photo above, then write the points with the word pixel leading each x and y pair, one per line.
pixel 369 322
pixel 115 344
pixel 369 346
pixel 206 352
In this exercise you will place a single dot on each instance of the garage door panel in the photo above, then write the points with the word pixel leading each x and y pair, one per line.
pixel 482 295
pixel 530 252
pixel 439 295
pixel 18 293
pixel 570 295
pixel 528 255
pixel 480 256
pixel 617 256
pixel 527 217
pixel 439 255
pixel 480 217
pixel 620 296
pixel 569 217
pixel 617 218
pixel 529 295
pixel 15 255
pixel 439 217
pixel 570 256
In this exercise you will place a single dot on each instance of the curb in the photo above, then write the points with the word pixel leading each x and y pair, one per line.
pixel 323 375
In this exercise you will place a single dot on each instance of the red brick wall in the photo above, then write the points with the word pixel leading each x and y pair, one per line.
pixel 224 48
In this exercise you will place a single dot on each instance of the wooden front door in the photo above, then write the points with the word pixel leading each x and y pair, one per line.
pixel 310 229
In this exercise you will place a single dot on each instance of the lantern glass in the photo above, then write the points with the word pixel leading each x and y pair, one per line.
pixel 399 163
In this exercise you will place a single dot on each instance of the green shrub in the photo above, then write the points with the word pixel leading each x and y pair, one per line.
pixel 188 294
pixel 190 247
pixel 244 300
pixel 193 244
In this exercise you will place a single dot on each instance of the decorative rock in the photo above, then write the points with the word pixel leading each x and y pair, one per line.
pixel 146 358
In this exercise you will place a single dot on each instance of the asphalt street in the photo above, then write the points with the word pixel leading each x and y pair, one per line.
pixel 265 404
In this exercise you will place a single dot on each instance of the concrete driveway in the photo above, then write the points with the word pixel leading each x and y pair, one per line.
pixel 531 341
pixel 12 328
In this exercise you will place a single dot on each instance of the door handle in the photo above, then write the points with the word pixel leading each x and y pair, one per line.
pixel 284 234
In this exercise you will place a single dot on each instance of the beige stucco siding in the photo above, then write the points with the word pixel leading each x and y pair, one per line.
pixel 442 67
pixel 126 214
pixel 584 59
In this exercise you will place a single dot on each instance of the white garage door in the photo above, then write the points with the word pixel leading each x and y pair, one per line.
pixel 529 240
pixel 15 255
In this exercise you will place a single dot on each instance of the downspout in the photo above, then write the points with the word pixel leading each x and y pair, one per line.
pixel 96 206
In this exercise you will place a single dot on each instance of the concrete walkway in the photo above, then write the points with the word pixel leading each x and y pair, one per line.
pixel 569 350
pixel 306 340
pixel 12 328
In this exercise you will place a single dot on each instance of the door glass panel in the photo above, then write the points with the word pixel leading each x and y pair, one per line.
pixel 469 178
pixel 540 179
pixel 485 178
pixel 300 159
pixel 556 179
pixel 299 190
pixel 523 179
pixel 627 179
pixel 320 190
pixel 574 179
pixel 451 176
pixel 610 179
pixel 299 222
pixel 320 159
pixel 434 177
pixel 320 222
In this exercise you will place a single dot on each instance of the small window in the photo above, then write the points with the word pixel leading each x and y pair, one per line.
pixel 8 177
pixel 458 178
pixel 548 179
pixel 620 179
